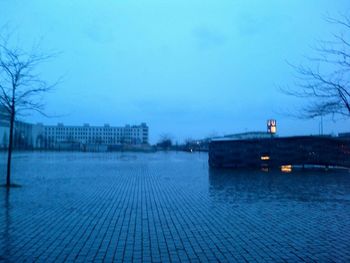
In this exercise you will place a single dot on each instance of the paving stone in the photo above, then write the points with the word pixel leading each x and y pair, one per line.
pixel 169 207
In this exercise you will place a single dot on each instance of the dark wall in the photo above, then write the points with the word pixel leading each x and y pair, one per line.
pixel 303 150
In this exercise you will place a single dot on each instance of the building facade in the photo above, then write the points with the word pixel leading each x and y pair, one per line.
pixel 22 134
pixel 60 136
pixel 51 135
pixel 4 128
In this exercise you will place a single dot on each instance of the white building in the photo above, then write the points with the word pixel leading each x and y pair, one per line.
pixel 29 136
pixel 86 134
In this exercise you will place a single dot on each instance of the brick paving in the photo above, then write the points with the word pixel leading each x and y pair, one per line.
pixel 169 207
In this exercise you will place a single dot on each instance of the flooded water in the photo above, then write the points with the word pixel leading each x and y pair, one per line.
pixel 169 207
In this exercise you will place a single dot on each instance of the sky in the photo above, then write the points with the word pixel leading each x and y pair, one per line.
pixel 190 69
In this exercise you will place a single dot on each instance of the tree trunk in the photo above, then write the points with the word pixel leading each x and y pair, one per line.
pixel 9 156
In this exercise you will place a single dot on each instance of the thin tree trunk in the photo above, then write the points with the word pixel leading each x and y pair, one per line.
pixel 9 156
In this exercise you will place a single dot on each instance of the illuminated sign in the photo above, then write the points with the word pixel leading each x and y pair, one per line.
pixel 271 126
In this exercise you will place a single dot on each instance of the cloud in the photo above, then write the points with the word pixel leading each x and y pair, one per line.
pixel 100 33
pixel 208 38
pixel 249 26
pixel 253 24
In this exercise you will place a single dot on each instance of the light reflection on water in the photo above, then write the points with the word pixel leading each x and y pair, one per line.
pixel 237 205
pixel 303 186
pixel 189 171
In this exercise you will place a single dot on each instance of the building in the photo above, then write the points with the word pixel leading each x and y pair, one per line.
pixel 344 135
pixel 22 136
pixel 60 136
pixel 280 152
pixel 4 128
pixel 243 136
pixel 52 135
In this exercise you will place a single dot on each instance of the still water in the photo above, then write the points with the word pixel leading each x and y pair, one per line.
pixel 169 207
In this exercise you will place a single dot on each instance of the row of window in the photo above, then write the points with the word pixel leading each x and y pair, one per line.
pixel 95 140
pixel 100 133
pixel 91 136
pixel 94 129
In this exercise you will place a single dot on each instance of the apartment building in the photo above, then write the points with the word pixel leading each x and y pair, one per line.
pixel 86 134
pixel 29 136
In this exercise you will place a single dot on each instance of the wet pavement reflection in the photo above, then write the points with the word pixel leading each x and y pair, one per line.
pixel 300 185
pixel 169 207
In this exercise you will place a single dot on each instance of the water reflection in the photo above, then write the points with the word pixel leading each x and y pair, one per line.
pixel 301 186
pixel 6 224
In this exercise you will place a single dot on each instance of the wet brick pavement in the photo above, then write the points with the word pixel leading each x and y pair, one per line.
pixel 169 207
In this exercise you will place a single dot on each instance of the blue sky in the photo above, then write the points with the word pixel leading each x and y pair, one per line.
pixel 187 68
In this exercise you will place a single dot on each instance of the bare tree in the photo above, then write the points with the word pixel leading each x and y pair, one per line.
pixel 165 142
pixel 326 83
pixel 21 87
